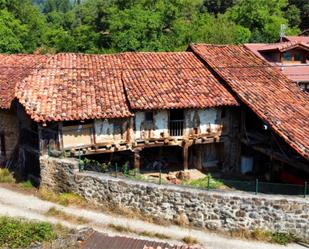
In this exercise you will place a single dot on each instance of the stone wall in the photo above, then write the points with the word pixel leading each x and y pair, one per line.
pixel 9 128
pixel 215 210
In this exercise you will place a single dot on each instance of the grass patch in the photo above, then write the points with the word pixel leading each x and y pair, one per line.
pixel 18 233
pixel 54 212
pixel 125 229
pixel 203 182
pixel 27 184
pixel 283 238
pixel 6 176
pixel 274 237
pixel 190 240
pixel 64 199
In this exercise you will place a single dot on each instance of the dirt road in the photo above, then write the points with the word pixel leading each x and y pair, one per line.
pixel 16 204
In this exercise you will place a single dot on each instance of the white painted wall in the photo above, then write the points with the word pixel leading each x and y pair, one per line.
pixel 104 130
pixel 203 119
pixel 112 130
pixel 159 128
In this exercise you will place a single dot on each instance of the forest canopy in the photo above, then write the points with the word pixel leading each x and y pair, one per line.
pixel 106 26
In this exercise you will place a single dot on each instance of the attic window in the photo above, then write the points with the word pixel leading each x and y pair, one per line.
pixel 149 116
pixel 287 56
pixel 298 56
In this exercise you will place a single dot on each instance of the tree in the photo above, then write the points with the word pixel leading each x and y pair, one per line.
pixel 11 33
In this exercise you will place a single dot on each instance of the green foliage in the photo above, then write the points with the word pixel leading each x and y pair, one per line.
pixel 27 184
pixel 283 238
pixel 263 18
pixel 95 26
pixel 203 182
pixel 6 176
pixel 15 233
pixel 93 165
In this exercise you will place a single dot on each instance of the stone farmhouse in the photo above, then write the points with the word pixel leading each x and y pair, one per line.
pixel 211 106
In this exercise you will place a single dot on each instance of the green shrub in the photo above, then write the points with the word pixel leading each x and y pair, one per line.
pixel 17 233
pixel 6 176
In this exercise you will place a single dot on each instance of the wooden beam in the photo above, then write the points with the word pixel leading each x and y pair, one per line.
pixel 185 155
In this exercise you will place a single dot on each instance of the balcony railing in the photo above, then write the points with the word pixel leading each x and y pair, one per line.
pixel 176 128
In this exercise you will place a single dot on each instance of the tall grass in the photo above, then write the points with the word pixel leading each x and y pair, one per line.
pixel 6 176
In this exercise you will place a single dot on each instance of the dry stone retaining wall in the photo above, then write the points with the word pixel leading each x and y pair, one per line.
pixel 201 208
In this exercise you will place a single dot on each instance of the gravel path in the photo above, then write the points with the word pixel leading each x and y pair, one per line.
pixel 16 204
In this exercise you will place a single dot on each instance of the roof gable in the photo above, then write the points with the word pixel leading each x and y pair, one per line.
pixel 274 98
pixel 75 87
pixel 13 68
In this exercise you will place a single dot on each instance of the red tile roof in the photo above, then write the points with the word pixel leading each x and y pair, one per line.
pixel 273 97
pixel 75 87
pixel 297 73
pixel 171 80
pixel 304 39
pixel 13 68
pixel 283 46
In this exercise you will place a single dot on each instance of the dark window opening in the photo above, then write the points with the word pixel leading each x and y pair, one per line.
pixel 298 56
pixel 149 116
pixel 2 145
pixel 287 56
pixel 223 113
pixel 78 122
pixel 176 123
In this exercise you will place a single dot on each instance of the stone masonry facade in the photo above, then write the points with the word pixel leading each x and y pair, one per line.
pixel 215 210
pixel 9 132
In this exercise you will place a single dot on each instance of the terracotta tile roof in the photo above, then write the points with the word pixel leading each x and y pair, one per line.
pixel 304 39
pixel 283 46
pixel 13 68
pixel 274 98
pixel 75 87
pixel 171 80
pixel 297 73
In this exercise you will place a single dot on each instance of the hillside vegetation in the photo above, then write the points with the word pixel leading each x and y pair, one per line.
pixel 106 26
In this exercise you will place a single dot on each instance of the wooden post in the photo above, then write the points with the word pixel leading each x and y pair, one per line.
pixel 137 159
pixel 185 156
pixel 199 165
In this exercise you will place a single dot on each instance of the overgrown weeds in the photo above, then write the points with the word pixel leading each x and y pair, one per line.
pixel 126 229
pixel 18 233
pixel 190 240
pixel 206 182
pixel 54 212
pixel 64 199
pixel 6 176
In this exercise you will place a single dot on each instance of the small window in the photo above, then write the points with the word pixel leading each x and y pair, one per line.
pixel 287 56
pixel 2 145
pixel 149 116
pixel 298 56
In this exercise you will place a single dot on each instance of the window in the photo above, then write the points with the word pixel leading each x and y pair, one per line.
pixel 149 116
pixel 287 56
pixel 298 56
pixel 2 144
